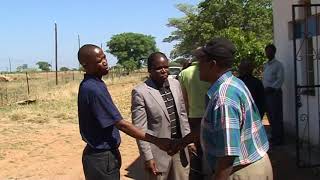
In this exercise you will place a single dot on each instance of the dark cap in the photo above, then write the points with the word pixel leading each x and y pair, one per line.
pixel 220 48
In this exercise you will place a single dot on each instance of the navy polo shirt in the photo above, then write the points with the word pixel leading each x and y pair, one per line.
pixel 97 114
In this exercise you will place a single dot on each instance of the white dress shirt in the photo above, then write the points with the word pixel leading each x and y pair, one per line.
pixel 273 74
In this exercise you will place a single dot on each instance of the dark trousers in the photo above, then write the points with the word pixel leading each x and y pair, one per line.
pixel 101 165
pixel 196 159
pixel 274 114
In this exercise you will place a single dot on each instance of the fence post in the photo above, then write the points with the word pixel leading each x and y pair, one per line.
pixel 28 83
pixel 48 79
pixel 7 94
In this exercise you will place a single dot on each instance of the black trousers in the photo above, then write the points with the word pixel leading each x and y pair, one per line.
pixel 101 164
pixel 196 159
pixel 275 115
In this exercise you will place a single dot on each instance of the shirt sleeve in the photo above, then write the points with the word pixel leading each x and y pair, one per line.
pixel 226 131
pixel 140 120
pixel 103 109
pixel 182 79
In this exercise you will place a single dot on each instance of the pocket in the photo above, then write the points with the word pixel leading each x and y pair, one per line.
pixel 94 163
pixel 113 163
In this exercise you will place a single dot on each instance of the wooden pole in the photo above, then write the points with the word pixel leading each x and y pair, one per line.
pixel 28 83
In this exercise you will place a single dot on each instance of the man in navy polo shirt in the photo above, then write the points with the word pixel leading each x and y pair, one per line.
pixel 100 120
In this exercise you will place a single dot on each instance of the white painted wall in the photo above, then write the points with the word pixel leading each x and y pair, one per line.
pixel 282 15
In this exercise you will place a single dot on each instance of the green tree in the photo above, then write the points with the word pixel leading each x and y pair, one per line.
pixel 181 61
pixel 129 66
pixel 64 69
pixel 23 67
pixel 44 66
pixel 174 63
pixel 131 47
pixel 248 23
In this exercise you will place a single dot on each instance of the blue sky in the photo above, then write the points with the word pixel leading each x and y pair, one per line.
pixel 27 27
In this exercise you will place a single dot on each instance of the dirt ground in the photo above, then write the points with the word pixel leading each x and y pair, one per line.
pixel 53 153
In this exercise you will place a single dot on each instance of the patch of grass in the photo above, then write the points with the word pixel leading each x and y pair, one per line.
pixel 38 120
pixel 2 157
pixel 6 132
pixel 27 176
pixel 67 118
pixel 17 116
pixel 58 104
pixel 60 116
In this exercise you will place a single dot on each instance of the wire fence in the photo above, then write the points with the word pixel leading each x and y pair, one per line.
pixel 15 87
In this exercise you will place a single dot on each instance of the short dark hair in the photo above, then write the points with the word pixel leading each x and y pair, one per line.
pixel 152 57
pixel 84 52
pixel 272 47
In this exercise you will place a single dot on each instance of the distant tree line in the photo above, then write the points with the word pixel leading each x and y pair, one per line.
pixel 42 66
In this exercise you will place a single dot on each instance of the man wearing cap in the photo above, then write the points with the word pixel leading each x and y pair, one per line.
pixel 232 136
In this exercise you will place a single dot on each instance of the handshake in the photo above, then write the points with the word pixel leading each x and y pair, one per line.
pixel 171 146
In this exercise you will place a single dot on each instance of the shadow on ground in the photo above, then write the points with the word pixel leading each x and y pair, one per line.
pixel 283 160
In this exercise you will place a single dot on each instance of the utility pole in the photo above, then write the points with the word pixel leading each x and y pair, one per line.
pixel 79 49
pixel 10 64
pixel 56 51
pixel 51 65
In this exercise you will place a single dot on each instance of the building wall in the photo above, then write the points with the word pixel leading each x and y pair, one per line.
pixel 282 15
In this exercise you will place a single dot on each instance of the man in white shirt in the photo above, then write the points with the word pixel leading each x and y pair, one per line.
pixel 273 77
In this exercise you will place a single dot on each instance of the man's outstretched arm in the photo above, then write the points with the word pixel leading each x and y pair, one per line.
pixel 131 130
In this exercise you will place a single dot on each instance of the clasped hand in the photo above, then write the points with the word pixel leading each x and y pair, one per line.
pixel 171 146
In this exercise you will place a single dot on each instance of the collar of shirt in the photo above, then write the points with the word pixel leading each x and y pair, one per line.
pixel 90 76
pixel 272 61
pixel 164 85
pixel 217 84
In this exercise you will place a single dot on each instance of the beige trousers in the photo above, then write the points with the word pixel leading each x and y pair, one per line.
pixel 176 171
pixel 260 170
